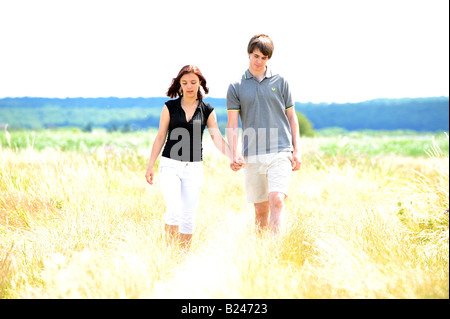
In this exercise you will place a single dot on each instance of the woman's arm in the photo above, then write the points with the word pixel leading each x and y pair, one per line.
pixel 220 143
pixel 158 144
pixel 216 136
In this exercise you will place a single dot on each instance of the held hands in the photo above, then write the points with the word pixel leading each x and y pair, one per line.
pixel 237 163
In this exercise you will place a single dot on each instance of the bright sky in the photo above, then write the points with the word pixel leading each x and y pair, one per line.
pixel 328 50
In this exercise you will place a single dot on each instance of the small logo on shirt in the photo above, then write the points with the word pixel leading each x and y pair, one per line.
pixel 273 89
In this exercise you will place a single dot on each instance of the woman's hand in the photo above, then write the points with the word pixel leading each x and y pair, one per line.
pixel 149 175
pixel 237 163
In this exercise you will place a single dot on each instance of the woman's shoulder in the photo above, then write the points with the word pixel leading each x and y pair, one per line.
pixel 206 106
pixel 171 104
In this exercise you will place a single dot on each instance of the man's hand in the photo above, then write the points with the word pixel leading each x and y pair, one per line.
pixel 237 163
pixel 296 160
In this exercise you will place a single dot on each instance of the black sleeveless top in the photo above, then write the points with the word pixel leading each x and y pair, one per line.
pixel 184 139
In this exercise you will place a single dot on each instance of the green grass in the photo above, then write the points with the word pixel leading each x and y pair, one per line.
pixel 329 142
pixel 74 139
pixel 379 143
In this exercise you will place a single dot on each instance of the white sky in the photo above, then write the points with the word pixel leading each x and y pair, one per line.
pixel 329 50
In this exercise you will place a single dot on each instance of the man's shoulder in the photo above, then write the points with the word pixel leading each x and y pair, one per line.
pixel 238 80
pixel 279 81
pixel 278 77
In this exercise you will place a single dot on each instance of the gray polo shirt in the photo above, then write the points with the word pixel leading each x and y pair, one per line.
pixel 262 107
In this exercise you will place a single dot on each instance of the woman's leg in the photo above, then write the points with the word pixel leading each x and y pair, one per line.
pixel 185 241
pixel 172 233
pixel 171 190
pixel 191 186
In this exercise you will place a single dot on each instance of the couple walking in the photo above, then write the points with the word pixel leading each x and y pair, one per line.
pixel 270 141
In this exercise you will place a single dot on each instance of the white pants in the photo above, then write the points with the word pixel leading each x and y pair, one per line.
pixel 181 184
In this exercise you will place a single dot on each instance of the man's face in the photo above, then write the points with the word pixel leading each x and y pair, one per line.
pixel 258 60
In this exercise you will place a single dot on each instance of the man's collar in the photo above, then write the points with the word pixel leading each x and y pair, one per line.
pixel 248 75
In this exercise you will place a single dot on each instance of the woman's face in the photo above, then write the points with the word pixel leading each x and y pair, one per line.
pixel 190 84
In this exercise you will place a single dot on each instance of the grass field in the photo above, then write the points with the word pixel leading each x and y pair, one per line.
pixel 367 217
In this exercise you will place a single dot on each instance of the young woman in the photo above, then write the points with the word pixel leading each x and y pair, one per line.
pixel 181 127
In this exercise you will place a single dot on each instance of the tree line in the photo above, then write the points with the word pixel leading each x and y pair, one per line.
pixel 417 114
pixel 127 114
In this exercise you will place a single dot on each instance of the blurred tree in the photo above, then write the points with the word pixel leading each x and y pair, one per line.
pixel 87 127
pixel 306 127
pixel 126 128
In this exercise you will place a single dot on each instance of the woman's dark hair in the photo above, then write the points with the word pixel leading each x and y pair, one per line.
pixel 175 88
pixel 261 42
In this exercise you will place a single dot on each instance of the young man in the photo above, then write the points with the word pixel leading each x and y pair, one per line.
pixel 270 134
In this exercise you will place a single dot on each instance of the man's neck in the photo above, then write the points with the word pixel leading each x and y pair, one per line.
pixel 258 74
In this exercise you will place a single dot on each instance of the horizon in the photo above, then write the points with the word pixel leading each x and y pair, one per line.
pixel 220 98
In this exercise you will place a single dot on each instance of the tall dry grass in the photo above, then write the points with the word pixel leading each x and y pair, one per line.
pixel 76 225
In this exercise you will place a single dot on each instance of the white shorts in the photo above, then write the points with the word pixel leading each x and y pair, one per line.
pixel 267 173
pixel 181 184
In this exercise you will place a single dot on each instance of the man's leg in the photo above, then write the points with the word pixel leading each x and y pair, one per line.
pixel 262 212
pixel 278 175
pixel 276 203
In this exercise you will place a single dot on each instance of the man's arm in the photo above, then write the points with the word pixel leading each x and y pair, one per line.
pixel 295 130
pixel 233 132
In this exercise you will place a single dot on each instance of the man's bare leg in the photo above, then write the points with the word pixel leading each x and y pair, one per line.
pixel 276 203
pixel 262 212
